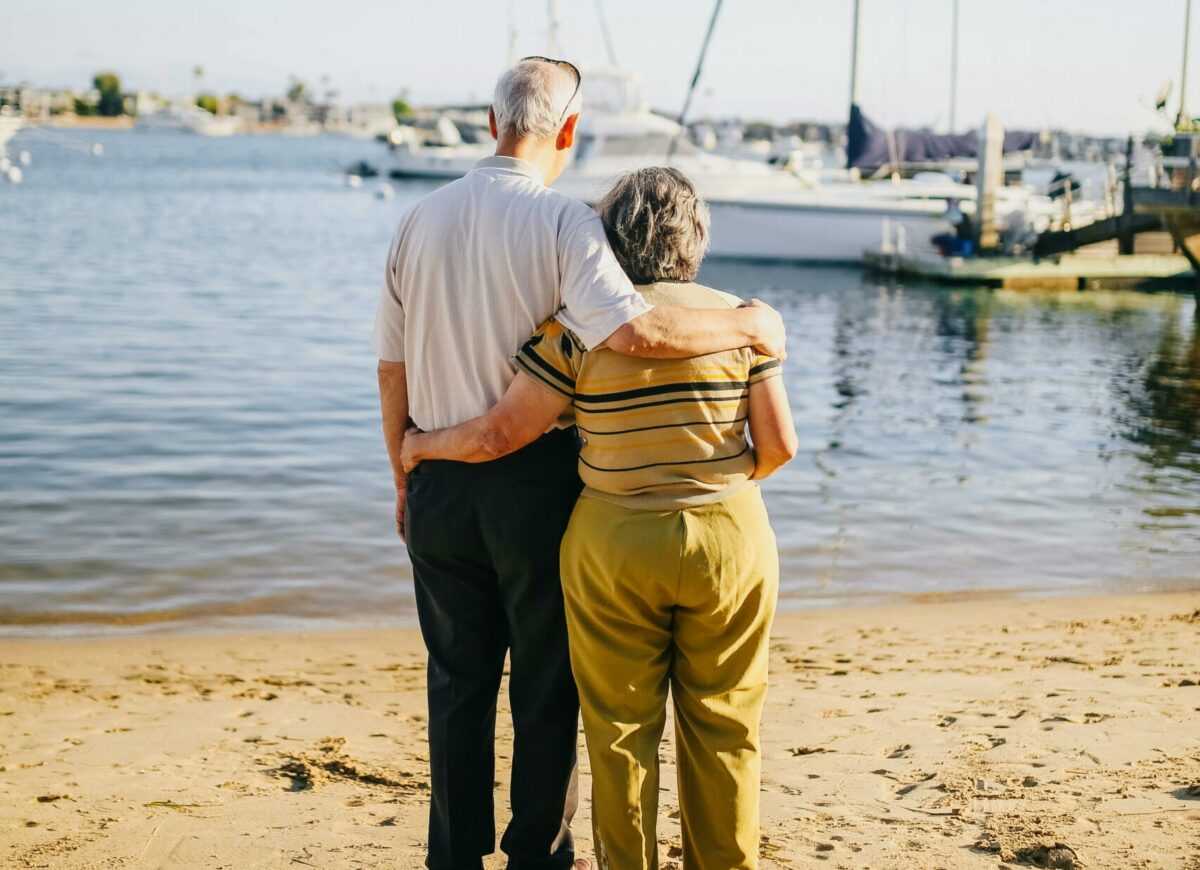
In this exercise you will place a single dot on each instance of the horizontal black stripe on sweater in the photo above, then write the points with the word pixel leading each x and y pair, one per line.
pixel 662 389
pixel 695 400
pixel 666 426
pixel 662 464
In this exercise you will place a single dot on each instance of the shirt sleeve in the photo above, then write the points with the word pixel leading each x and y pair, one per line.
pixel 763 367
pixel 598 298
pixel 389 317
pixel 552 357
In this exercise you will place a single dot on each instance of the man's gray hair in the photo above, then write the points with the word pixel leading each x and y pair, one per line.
pixel 531 99
pixel 657 224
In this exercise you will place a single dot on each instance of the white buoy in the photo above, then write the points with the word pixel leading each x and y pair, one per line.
pixel 97 149
pixel 5 163
pixel 15 175
pixel 353 181
pixel 385 191
pixel 25 157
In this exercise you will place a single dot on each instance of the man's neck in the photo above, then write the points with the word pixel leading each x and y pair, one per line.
pixel 540 154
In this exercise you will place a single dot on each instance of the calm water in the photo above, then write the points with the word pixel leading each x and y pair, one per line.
pixel 188 418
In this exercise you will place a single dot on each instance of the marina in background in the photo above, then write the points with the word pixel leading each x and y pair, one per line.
pixel 804 192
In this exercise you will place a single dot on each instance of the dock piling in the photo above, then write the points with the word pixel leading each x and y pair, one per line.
pixel 991 176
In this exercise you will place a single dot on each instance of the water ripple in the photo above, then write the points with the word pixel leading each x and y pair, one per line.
pixel 189 426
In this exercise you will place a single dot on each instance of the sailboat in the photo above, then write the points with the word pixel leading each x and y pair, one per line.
pixel 835 219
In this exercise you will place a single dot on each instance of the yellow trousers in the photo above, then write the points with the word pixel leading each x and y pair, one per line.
pixel 681 599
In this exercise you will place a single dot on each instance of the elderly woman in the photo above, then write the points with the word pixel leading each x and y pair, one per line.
pixel 669 565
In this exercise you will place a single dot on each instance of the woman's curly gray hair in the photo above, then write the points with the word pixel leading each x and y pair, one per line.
pixel 657 224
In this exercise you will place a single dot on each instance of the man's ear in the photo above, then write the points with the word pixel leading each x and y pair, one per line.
pixel 492 128
pixel 566 135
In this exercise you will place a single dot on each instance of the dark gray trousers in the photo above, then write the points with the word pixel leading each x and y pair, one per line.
pixel 484 541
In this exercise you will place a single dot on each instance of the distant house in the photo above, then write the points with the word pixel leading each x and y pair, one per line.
pixel 38 104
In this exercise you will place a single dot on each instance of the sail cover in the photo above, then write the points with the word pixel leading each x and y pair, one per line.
pixel 869 146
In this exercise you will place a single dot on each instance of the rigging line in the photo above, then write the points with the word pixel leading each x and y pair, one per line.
pixel 953 124
pixel 687 103
pixel 608 43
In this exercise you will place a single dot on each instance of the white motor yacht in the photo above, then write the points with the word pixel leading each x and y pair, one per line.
pixel 617 133
pixel 837 222
pixel 186 118
pixel 434 149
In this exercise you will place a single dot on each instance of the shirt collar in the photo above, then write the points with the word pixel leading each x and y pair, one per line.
pixel 512 164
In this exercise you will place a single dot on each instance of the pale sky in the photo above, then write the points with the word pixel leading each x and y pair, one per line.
pixel 1085 65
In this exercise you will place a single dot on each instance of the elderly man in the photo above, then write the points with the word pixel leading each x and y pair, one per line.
pixel 473 270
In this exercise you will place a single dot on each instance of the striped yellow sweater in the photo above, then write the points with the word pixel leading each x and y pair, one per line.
pixel 658 434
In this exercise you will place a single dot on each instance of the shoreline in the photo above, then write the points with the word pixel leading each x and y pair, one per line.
pixel 21 627
pixel 966 734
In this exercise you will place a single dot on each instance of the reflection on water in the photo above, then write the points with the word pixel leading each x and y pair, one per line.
pixel 969 438
pixel 188 422
pixel 1162 393
pixel 1164 400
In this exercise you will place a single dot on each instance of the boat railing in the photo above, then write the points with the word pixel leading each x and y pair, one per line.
pixel 1174 181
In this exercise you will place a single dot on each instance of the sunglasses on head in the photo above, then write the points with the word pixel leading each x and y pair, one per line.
pixel 569 67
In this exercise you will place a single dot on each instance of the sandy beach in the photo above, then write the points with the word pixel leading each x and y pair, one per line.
pixel 981 733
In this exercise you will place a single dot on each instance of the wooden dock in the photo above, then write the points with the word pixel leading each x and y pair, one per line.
pixel 1065 272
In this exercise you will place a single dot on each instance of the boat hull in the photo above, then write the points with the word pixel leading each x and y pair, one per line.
pixel 834 225
pixel 436 164
pixel 814 234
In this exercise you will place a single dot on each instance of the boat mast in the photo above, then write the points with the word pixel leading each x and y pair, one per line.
pixel 954 67
pixel 512 32
pixel 687 103
pixel 552 36
pixel 854 59
pixel 1187 29
pixel 608 43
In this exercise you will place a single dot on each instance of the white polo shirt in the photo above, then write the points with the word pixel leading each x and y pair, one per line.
pixel 475 268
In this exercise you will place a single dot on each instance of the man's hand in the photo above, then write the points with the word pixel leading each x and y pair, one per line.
pixel 401 507
pixel 409 458
pixel 772 336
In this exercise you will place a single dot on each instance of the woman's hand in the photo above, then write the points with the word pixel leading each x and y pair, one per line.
pixel 410 456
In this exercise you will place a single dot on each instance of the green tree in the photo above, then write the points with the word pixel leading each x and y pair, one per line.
pixel 209 103
pixel 297 90
pixel 401 108
pixel 110 103
pixel 83 108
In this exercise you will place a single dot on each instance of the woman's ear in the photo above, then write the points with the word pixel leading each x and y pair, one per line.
pixel 492 128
